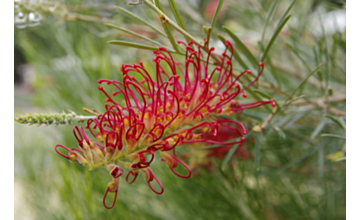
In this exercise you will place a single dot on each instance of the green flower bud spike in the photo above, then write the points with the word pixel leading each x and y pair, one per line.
pixel 51 118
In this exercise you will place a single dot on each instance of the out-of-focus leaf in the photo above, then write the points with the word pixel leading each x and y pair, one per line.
pixel 271 11
pixel 318 128
pixel 133 33
pixel 333 136
pixel 135 45
pixel 297 54
pixel 286 13
pixel 141 20
pixel 304 81
pixel 289 101
pixel 276 33
pixel 325 51
pixel 229 156
pixel 218 8
pixel 338 121
pixel 299 159
pixel 280 132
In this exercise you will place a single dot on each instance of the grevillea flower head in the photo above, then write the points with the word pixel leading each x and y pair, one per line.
pixel 178 104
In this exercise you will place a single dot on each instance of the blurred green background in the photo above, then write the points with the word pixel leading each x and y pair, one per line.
pixel 297 167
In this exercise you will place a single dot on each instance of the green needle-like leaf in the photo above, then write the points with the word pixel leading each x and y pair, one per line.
pixel 297 54
pixel 131 44
pixel 141 20
pixel 299 159
pixel 280 132
pixel 229 156
pixel 286 13
pixel 177 14
pixel 218 8
pixel 338 121
pixel 319 128
pixel 276 33
pixel 304 81
pixel 333 136
pixel 133 33
pixel 271 12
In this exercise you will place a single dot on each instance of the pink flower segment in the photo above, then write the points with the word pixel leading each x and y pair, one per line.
pixel 180 104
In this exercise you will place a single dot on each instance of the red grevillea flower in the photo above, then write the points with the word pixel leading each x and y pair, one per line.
pixel 149 113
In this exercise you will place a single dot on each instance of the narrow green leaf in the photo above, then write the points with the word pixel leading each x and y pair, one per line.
pixel 333 136
pixel 276 33
pixel 295 118
pixel 304 81
pixel 242 48
pixel 299 159
pixel 167 28
pixel 338 121
pixel 297 54
pixel 236 55
pixel 133 33
pixel 271 12
pixel 286 12
pixel 319 128
pixel 141 20
pixel 280 132
pixel 131 44
pixel 218 8
pixel 290 101
pixel 177 14
pixel 229 156
pixel 326 51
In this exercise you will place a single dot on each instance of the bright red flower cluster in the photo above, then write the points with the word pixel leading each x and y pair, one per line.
pixel 146 114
